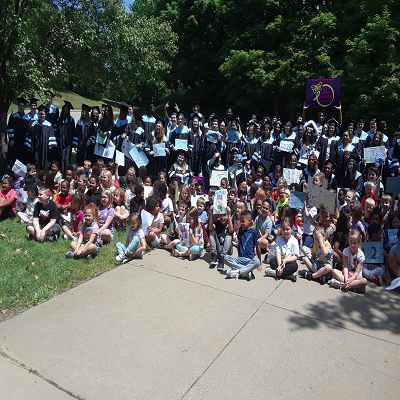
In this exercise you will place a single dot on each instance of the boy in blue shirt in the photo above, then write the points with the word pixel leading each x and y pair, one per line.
pixel 246 261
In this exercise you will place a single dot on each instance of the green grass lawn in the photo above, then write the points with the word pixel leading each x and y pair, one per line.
pixel 31 272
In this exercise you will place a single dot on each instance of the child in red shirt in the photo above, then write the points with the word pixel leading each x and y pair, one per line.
pixel 72 230
pixel 8 199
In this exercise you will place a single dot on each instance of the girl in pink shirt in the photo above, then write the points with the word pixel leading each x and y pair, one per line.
pixel 8 199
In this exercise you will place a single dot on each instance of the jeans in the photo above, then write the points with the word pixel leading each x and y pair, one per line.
pixel 290 267
pixel 308 240
pixel 218 248
pixel 195 250
pixel 243 264
pixel 371 271
pixel 133 246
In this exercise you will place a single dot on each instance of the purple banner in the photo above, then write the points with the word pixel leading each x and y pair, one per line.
pixel 323 92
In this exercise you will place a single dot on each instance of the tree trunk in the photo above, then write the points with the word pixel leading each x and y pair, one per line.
pixel 3 142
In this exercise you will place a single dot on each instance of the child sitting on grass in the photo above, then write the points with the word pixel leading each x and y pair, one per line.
pixel 153 206
pixel 173 230
pixel 284 264
pixel 89 242
pixel 221 230
pixel 320 263
pixel 32 192
pixel 392 264
pixel 263 226
pixel 78 202
pixel 44 224
pixel 121 214
pixel 353 259
pixel 135 242
pixel 246 262
pixel 8 199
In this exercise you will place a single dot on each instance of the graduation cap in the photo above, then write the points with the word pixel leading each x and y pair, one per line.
pixel 159 121
pixel 214 113
pixel 236 120
pixel 43 108
pixel 289 119
pixel 68 104
pixel 131 103
pixel 333 122
pixel 124 106
pixel 361 119
pixel 183 114
pixel 255 115
pixel 223 119
pixel 234 150
pixel 196 103
pixel 374 118
pixel 22 100
pixel 252 123
pixel 137 117
pixel 103 105
pixel 323 111
pixel 354 158
pixel 383 120
pixel 50 93
pixel 230 107
pixel 276 116
pixel 267 123
pixel 149 105
pixel 33 100
pixel 85 107
pixel 331 163
pixel 97 108
pixel 215 118
pixel 351 122
pixel 193 116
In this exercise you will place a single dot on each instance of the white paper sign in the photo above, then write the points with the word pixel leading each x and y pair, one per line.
pixel 232 169
pixel 213 136
pixel 184 237
pixel 159 150
pixel 392 233
pixel 147 191
pixel 138 156
pixel 373 252
pixel 119 158
pixel 306 153
pixel 292 175
pixel 220 201
pixel 19 168
pixel 318 196
pixel 371 152
pixel 181 144
pixel 147 220
pixel 286 145
pixel 126 147
pixel 107 151
pixel 216 177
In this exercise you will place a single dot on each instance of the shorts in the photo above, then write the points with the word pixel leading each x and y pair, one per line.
pixel 56 228
pixel 318 265
pixel 98 245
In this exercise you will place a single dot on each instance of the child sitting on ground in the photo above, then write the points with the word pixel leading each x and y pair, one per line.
pixel 89 242
pixel 374 272
pixel 63 200
pixel 135 242
pixel 77 218
pixel 201 205
pixel 239 208
pixel 196 242
pixel 173 230
pixel 153 206
pixel 263 226
pixel 137 203
pixel 353 259
pixel 8 199
pixel 320 263
pixel 246 262
pixel 392 264
pixel 32 192
pixel 121 214
pixel 44 223
pixel 284 264
pixel 221 230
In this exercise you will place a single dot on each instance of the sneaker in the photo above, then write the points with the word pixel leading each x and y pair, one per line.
pixel 221 265
pixel 208 249
pixel 250 276
pixel 336 284
pixel 66 237
pixel 377 280
pixel 305 274
pixel 89 257
pixel 293 277
pixel 233 273
pixel 213 262
pixel 120 257
pixel 322 280
pixel 361 290
pixel 176 253
pixel 70 254
pixel 29 237
pixel 270 272
pixel 51 238
pixel 192 257
pixel 266 259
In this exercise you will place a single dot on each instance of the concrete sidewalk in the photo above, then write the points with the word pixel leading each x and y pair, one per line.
pixel 165 328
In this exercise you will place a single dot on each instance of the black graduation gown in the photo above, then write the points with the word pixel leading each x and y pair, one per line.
pixel 148 124
pixel 322 146
pixel 52 116
pixel 337 155
pixel 266 152
pixel 283 157
pixel 82 135
pixel 209 149
pixel 196 151
pixel 39 139
pixel 65 135
pixel 176 134
pixel 156 164
pixel 17 128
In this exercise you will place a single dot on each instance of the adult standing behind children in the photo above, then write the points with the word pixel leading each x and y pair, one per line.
pixel 44 225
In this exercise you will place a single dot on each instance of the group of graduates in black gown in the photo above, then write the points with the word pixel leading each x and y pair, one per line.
pixel 267 143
